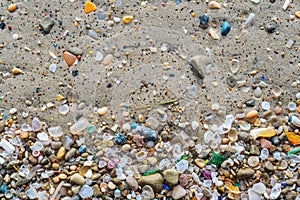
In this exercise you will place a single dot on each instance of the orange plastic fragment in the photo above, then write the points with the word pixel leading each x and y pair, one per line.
pixel 293 138
pixel 89 7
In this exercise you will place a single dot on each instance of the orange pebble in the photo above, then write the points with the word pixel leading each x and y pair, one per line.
pixel 89 7
pixel 69 58
pixel 12 7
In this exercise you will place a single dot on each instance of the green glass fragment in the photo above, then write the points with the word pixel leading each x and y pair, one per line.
pixel 217 159
pixel 91 129
pixel 237 185
pixel 149 172
pixel 293 151
pixel 183 157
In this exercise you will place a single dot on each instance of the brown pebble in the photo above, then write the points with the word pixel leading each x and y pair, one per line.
pixel 278 110
pixel 24 134
pixel 251 116
pixel 55 179
pixel 297 14
pixel 12 7
pixel 214 5
pixel 16 71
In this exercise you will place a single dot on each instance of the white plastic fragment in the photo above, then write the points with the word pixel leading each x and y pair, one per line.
pixel 286 4
pixel 79 126
pixel 250 18
pixel 294 120
pixel 289 44
pixel 7 146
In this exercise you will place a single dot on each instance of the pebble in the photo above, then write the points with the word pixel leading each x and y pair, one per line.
pixel 75 50
pixel 107 59
pixel 178 192
pixel 297 14
pixel 269 166
pixel 197 63
pixel 147 193
pixel 154 180
pixel 204 19
pixel 225 29
pixel 245 173
pixel 127 19
pixel 257 92
pixel 214 5
pixel 47 24
pixel 69 58
pixel 255 1
pixel 132 183
pixel 171 176
pixel 61 152
pixel 214 35
pixel 251 116
pixel 102 111
pixel 126 148
pixel 13 111
pixel 77 179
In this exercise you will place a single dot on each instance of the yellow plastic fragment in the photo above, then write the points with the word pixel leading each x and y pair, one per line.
pixel 89 7
pixel 127 19
pixel 293 138
pixel 59 97
pixel 263 132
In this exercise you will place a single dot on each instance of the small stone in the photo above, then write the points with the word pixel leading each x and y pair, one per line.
pixel 178 192
pixel 250 103
pixel 257 92
pixel 200 163
pixel 47 24
pixel 12 7
pixel 214 35
pixel 111 185
pixel 251 116
pixel 89 7
pixel 225 28
pixel 297 14
pixel 270 28
pixel 70 154
pixel 132 182
pixel 126 148
pixel 214 5
pixel 69 58
pixel 126 127
pixel 2 125
pixel 78 179
pixel 127 19
pixel 102 111
pixel 16 71
pixel 13 111
pixel 22 181
pixel 75 50
pixel 152 160
pixel 107 59
pixel 171 176
pixel 204 19
pixel 147 193
pixel 197 64
pixel 154 180
pixel 278 110
pixel 269 166
pixel 245 173
pixel 259 188
pixel 61 152
pixel 255 1
pixel 254 150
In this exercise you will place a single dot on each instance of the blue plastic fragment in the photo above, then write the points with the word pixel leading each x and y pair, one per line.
pixel 3 188
pixel 82 149
pixel 134 125
pixel 178 2
pixel 166 187
pixel 204 21
pixel 225 28
pixel 120 139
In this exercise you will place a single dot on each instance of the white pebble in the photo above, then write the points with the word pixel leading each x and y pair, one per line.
pixel 265 105
pixel 15 36
pixel 257 92
pixel 102 111
pixel 13 111
pixel 53 68
pixel 292 106
pixel 298 95
pixel 98 56
pixel 64 109
pixel 255 1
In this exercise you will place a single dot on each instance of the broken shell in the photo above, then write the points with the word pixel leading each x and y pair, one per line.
pixel 232 135
pixel 253 161
pixel 83 170
pixel 214 5
pixel 227 163
pixel 245 126
pixel 234 66
pixel 283 165
pixel 264 143
pixel 276 91
pixel 263 132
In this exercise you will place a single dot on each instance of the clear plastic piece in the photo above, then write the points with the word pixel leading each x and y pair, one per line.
pixel 8 147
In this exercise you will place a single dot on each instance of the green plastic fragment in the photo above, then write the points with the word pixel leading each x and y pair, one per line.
pixel 237 185
pixel 91 129
pixel 293 151
pixel 217 159
pixel 183 157
pixel 149 172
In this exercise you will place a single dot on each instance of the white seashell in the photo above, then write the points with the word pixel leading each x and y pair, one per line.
pixel 234 66
pixel 253 161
